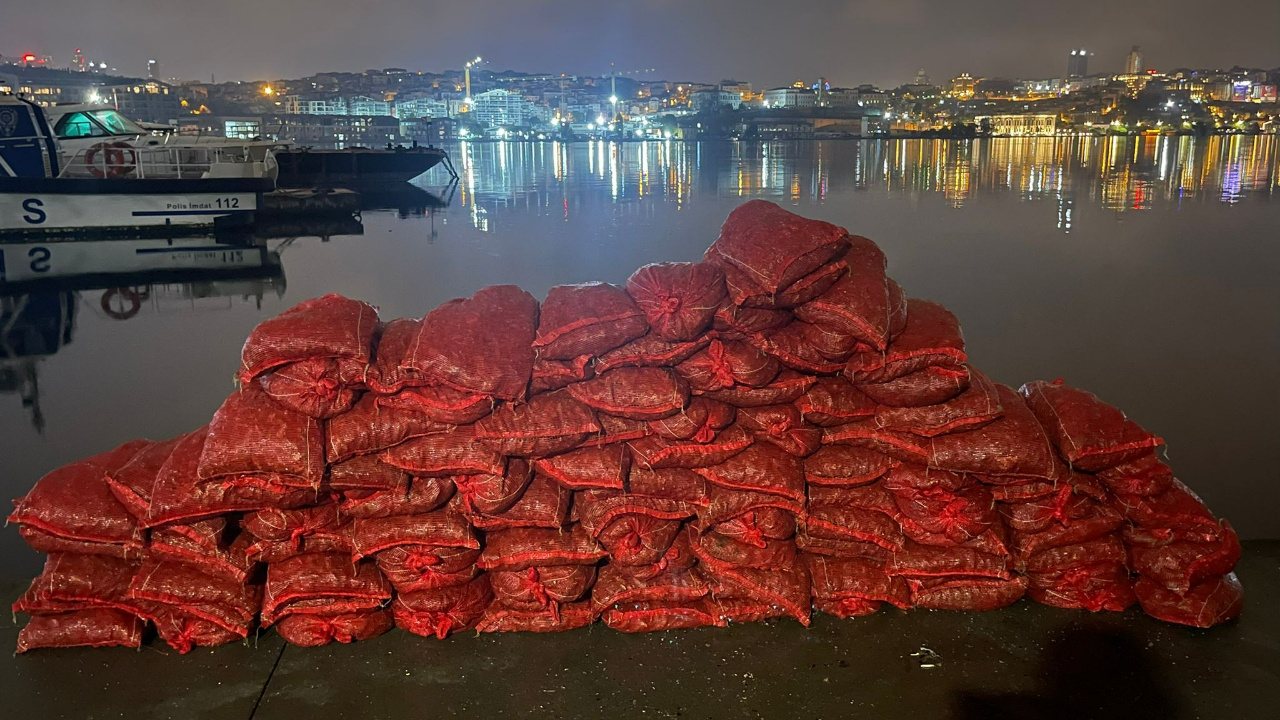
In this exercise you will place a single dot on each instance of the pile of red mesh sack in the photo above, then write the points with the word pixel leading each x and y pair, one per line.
pixel 774 430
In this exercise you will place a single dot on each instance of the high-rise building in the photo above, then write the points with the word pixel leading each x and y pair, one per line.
pixel 153 70
pixel 78 61
pixel 1078 63
pixel 1133 62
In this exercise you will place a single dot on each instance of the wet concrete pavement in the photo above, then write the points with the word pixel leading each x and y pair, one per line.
pixel 1027 661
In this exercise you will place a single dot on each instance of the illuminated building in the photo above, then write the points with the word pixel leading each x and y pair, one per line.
pixel 153 70
pixel 1133 62
pixel 150 102
pixel 502 107
pixel 963 86
pixel 360 105
pixel 1019 125
pixel 78 61
pixel 424 107
pixel 789 97
pixel 1078 63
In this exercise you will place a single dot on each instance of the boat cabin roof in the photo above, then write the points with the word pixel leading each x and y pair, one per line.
pixel 81 120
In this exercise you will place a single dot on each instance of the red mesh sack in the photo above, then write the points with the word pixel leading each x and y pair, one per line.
pixel 761 467
pixel 864 303
pixel 831 345
pixel 592 467
pixel 442 528
pixel 758 526
pixel 1022 490
pixel 542 588
pixel 522 548
pixel 133 481
pixel 1211 602
pixel 598 510
pixel 369 428
pixel 71 582
pixel 785 388
pixel 323 583
pixel 225 602
pixel 412 497
pixel 847 583
pixel 791 346
pixel 641 393
pixel 807 288
pixel 1093 587
pixel 551 375
pixel 650 351
pixel 74 502
pixel 1180 565
pixel 439 403
pixel 929 561
pixel 787 590
pixel 547 424
pixel 669 483
pixel 1089 433
pixel 274 551
pixel 725 504
pixel 543 504
pixel 43 542
pixel 620 585
pixel 388 375
pixel 638 539
pixel 482 344
pixel 366 472
pixel 184 632
pixel 331 326
pixel 308 630
pixel 251 434
pixel 655 616
pixel 92 627
pixel 977 406
pixel 1106 549
pixel 655 452
pixel 774 247
pixel 293 525
pixel 412 568
pixel 932 337
pixel 202 544
pixel 179 496
pixel 679 299
pixel 1097 521
pixel 726 364
pixel 717 552
pixel 782 426
pixel 1177 507
pixel 1060 508
pixel 1144 476
pixel 586 319
pixel 967 593
pixel 938 516
pixel 499 618
pixel 312 387
pixel 834 401
pixel 494 493
pixel 930 386
pixel 873 496
pixel 616 430
pixel 437 613
pixel 906 477
pixel 700 421
pixel 853 523
pixel 734 318
pixel 452 453
pixel 833 547
pixel 845 466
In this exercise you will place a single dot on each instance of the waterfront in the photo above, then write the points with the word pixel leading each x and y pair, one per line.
pixel 1143 269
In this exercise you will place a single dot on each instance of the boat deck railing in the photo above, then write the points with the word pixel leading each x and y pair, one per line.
pixel 121 161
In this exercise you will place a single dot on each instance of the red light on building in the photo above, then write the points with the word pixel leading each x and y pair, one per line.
pixel 29 58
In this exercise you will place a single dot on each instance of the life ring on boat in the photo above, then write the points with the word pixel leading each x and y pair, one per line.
pixel 118 158
pixel 129 305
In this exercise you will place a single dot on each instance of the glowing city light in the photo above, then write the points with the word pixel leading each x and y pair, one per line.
pixel 613 99
pixel 600 119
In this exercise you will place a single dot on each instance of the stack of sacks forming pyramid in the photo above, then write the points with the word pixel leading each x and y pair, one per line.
pixel 773 430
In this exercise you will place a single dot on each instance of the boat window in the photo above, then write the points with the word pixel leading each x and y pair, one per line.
pixel 78 125
pixel 117 123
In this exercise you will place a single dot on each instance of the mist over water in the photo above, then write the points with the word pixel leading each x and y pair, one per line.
pixel 1142 269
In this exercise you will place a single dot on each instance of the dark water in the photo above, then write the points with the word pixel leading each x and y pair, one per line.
pixel 1143 270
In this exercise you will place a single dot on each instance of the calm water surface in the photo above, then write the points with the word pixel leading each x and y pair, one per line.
pixel 1142 269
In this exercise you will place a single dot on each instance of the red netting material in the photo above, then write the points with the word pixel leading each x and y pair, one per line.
pixel 439 612
pixel 315 630
pixel 679 299
pixel 834 401
pixel 322 583
pixel 521 548
pixel 1090 434
pixel 331 326
pixel 1211 602
pixel 369 428
pixel 931 337
pixel 250 434
pixel 785 388
pixel 587 319
pixel 639 393
pixel 762 467
pixel 453 453
pixel 864 303
pixel 726 364
pixel 547 424
pixel 650 351
pixel 412 568
pixel 442 528
pixel 543 504
pixel 93 627
pixel 313 387
pixel 656 452
pixel 411 497
pixel 934 384
pixel 133 481
pixel 774 247
pixel 591 467
pixel 481 344
pixel 700 420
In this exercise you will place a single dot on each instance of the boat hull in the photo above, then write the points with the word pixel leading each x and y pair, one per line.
pixel 38 207
pixel 355 167
pixel 87 261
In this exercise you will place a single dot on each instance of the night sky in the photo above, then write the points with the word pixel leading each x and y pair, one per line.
pixel 762 41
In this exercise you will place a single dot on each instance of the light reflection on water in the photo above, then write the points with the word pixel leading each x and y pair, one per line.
pixel 1118 173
